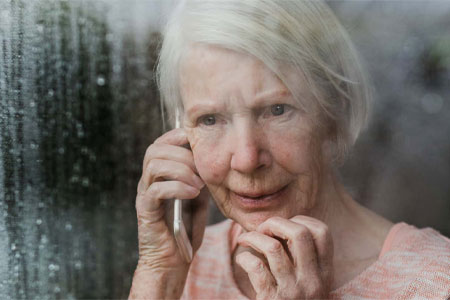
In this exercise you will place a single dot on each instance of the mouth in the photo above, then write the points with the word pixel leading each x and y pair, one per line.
pixel 253 200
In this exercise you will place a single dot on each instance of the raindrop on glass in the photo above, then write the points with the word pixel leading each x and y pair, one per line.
pixel 100 80
pixel 68 227
pixel 85 182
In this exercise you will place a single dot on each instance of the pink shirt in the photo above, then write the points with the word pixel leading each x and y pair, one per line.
pixel 413 263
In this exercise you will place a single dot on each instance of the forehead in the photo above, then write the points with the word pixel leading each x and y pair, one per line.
pixel 208 69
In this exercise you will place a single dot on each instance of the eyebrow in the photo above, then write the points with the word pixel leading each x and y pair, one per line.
pixel 272 94
pixel 202 106
pixel 259 99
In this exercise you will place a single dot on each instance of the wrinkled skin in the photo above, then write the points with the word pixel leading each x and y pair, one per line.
pixel 168 172
pixel 250 138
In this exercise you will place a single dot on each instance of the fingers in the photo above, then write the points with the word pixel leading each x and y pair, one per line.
pixel 299 253
pixel 176 137
pixel 322 240
pixel 168 172
pixel 260 277
pixel 152 199
pixel 159 169
pixel 279 263
pixel 169 152
pixel 299 241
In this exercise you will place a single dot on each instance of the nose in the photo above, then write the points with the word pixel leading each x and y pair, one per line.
pixel 248 151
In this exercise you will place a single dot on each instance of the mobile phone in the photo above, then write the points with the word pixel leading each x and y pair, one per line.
pixel 180 216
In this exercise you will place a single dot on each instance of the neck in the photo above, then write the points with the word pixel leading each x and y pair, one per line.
pixel 358 233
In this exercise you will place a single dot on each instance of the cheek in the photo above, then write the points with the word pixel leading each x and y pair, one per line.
pixel 293 151
pixel 210 159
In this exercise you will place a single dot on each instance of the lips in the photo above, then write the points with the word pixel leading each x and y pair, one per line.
pixel 254 200
pixel 257 194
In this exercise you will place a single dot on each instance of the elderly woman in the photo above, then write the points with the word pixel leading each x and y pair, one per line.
pixel 271 99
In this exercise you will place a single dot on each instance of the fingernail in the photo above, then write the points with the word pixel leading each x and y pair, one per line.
pixel 198 182
pixel 194 190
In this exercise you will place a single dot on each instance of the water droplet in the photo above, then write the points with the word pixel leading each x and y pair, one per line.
pixel 40 28
pixel 57 289
pixel 41 204
pixel 51 92
pixel 61 150
pixel 13 247
pixel 34 146
pixel 68 227
pixel 38 222
pixel 100 80
pixel 78 265
pixel 44 239
pixel 85 182
pixel 53 267
pixel 32 104
pixel 17 255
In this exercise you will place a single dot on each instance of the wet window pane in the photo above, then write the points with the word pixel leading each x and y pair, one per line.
pixel 79 106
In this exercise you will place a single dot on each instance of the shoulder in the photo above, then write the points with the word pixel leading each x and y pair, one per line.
pixel 421 259
pixel 419 244
pixel 414 263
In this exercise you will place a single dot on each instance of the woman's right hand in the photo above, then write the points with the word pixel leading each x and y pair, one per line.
pixel 168 172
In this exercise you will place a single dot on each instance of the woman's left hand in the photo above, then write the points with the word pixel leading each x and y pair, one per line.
pixel 299 254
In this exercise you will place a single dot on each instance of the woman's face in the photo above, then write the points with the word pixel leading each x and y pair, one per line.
pixel 252 145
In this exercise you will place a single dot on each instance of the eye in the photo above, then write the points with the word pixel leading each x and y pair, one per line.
pixel 277 109
pixel 208 120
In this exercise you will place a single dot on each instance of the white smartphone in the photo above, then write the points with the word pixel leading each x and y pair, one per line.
pixel 179 228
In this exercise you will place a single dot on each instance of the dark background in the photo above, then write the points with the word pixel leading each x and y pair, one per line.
pixel 79 106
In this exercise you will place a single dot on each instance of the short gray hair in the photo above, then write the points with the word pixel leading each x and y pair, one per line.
pixel 300 36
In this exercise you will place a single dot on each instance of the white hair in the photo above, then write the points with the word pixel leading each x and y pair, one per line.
pixel 303 37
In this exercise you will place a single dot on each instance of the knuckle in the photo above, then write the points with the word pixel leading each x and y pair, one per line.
pixel 256 265
pixel 149 150
pixel 152 166
pixel 160 139
pixel 275 247
pixel 154 191
pixel 323 231
pixel 274 220
pixel 302 234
